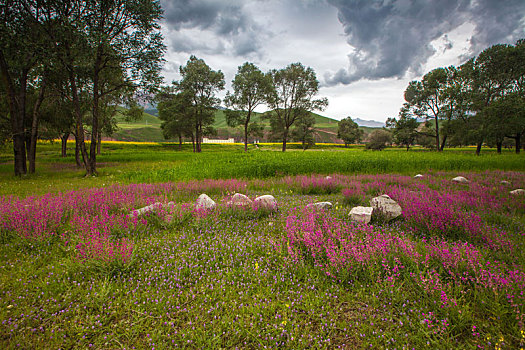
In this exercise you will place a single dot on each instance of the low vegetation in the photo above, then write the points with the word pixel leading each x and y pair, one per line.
pixel 80 270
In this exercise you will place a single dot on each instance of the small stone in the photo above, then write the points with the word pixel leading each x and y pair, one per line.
pixel 517 191
pixel 146 209
pixel 240 201
pixel 328 178
pixel 266 202
pixel 385 207
pixel 361 214
pixel 205 203
pixel 320 205
pixel 461 180
pixel 418 176
pixel 505 182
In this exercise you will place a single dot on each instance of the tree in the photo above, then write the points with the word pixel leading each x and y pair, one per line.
pixel 404 130
pixel 21 55
pixel 490 79
pixel 304 131
pixel 176 112
pixel 427 97
pixel 378 139
pixel 200 83
pixel 292 95
pixel 348 131
pixel 250 88
pixel 107 47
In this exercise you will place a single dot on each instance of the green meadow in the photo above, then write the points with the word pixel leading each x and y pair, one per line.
pixel 79 270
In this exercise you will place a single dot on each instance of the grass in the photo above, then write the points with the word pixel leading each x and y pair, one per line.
pixel 122 162
pixel 231 279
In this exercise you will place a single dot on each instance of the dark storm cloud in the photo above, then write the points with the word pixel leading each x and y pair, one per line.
pixel 231 27
pixel 391 37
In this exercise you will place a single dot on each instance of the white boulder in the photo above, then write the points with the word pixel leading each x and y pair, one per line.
pixel 518 191
pixel 461 180
pixel 240 201
pixel 328 178
pixel 320 205
pixel 385 207
pixel 266 202
pixel 504 182
pixel 205 203
pixel 361 214
pixel 418 176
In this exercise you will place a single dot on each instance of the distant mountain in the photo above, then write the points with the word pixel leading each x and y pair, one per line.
pixel 368 123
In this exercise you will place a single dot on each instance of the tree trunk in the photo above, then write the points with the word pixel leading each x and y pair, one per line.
pixel 246 135
pixel 77 152
pixel 437 135
pixel 198 137
pixel 478 147
pixel 17 113
pixel 92 164
pixel 27 142
pixel 518 143
pixel 64 138
pixel 34 128
pixel 79 132
pixel 443 143
pixel 285 137
pixel 99 143
pixel 180 142
pixel 498 146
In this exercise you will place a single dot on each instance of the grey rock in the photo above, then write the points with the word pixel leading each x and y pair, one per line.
pixel 385 207
pixel 461 180
pixel 266 202
pixel 361 214
pixel 505 182
pixel 320 205
pixel 146 209
pixel 205 203
pixel 517 191
pixel 240 201
pixel 418 176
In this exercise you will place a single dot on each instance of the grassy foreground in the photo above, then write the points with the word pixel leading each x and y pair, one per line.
pixel 79 271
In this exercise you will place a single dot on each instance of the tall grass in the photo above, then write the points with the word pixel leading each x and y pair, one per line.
pixel 272 164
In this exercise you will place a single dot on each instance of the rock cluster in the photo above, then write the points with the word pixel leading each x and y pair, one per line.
pixel 382 207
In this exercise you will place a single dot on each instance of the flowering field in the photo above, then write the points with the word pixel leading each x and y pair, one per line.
pixel 79 269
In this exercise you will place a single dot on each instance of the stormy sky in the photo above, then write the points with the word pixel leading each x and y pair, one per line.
pixel 364 52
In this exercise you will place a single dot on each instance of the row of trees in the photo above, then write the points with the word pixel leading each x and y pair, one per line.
pixel 481 101
pixel 187 107
pixel 68 64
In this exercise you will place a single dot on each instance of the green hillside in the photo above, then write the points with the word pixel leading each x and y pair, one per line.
pixel 148 128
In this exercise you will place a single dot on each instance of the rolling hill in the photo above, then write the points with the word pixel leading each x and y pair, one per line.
pixel 148 128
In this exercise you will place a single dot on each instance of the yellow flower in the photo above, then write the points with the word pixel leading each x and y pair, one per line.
pixel 287 305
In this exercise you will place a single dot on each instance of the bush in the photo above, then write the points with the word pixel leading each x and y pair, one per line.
pixel 379 139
